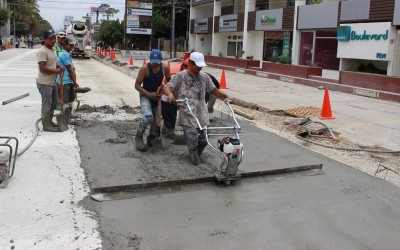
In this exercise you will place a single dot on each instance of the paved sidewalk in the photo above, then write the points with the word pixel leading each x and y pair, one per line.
pixel 363 120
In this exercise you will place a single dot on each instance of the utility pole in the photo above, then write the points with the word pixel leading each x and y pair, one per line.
pixel 14 40
pixel 173 30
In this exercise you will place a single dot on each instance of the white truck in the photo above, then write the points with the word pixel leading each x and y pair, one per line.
pixel 81 34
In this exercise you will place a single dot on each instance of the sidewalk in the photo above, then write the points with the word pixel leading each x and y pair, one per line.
pixel 363 120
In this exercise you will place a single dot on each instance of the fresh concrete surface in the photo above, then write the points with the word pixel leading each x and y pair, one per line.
pixel 46 204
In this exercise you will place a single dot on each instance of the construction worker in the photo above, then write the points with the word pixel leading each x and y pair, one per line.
pixel 69 78
pixel 147 82
pixel 193 85
pixel 169 110
pixel 59 44
pixel 46 80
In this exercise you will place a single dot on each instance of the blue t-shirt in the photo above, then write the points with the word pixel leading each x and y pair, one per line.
pixel 64 59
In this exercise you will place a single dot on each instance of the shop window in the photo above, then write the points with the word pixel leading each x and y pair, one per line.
pixel 262 5
pixel 306 47
pixel 234 46
pixel 227 7
pixel 277 46
pixel 324 47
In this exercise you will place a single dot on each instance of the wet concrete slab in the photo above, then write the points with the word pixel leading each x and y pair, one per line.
pixel 110 158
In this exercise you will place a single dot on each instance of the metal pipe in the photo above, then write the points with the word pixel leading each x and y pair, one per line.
pixel 15 99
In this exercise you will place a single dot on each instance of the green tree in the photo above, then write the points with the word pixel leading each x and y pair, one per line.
pixel 111 32
pixel 110 12
pixel 5 15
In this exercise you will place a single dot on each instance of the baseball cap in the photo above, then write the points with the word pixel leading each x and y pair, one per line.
pixel 69 40
pixel 49 33
pixel 61 34
pixel 155 56
pixel 198 59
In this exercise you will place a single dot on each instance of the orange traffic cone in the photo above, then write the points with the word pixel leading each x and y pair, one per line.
pixel 105 52
pixel 130 60
pixel 326 112
pixel 222 82
pixel 111 54
pixel 144 61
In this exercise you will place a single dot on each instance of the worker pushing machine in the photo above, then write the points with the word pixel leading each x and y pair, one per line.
pixel 149 79
pixel 191 84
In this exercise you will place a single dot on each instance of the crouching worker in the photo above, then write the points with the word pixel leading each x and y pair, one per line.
pixel 46 80
pixel 69 78
pixel 149 78
pixel 193 85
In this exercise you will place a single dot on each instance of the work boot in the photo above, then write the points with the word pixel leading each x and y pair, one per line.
pixel 139 138
pixel 46 122
pixel 150 138
pixel 169 133
pixel 194 157
pixel 51 121
pixel 200 149
pixel 67 114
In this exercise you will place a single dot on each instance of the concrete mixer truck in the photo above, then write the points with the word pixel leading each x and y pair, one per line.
pixel 79 31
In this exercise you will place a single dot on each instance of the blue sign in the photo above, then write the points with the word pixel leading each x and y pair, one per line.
pixel 343 33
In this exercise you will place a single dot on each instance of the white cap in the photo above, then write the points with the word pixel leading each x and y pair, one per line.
pixel 61 34
pixel 198 59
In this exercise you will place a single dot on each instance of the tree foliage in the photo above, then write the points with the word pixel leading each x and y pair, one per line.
pixel 111 32
pixel 27 18
pixel 5 15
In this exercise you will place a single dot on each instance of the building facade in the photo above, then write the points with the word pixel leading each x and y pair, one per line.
pixel 332 34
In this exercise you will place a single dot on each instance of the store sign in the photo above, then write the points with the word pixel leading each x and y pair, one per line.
pixel 345 34
pixel 132 21
pixel 146 6
pixel 355 38
pixel 138 31
pixel 269 19
pixel 140 12
pixel 228 23
pixel 201 25
pixel 132 4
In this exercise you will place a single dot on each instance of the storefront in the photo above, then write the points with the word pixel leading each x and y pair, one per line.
pixel 318 44
pixel 277 42
pixel 368 46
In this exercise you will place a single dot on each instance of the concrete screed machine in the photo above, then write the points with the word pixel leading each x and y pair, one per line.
pixel 229 147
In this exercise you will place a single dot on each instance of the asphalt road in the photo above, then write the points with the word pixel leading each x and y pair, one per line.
pixel 339 208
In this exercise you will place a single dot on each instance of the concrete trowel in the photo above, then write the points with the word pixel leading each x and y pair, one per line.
pixel 61 119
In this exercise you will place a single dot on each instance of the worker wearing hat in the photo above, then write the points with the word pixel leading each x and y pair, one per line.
pixel 193 85
pixel 46 80
pixel 149 78
pixel 59 44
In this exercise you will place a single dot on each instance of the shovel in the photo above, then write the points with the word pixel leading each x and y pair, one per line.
pixel 61 119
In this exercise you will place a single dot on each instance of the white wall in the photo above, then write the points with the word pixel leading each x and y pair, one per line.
pixel 220 44
pixel 203 44
pixel 202 11
pixel 255 43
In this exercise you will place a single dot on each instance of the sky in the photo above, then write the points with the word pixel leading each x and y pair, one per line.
pixel 54 11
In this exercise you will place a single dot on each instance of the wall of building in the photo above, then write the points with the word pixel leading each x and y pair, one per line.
pixel 255 42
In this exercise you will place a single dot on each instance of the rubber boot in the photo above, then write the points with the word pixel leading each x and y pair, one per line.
pixel 194 157
pixel 150 138
pixel 169 133
pixel 51 120
pixel 163 130
pixel 67 114
pixel 46 122
pixel 139 138
pixel 200 148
